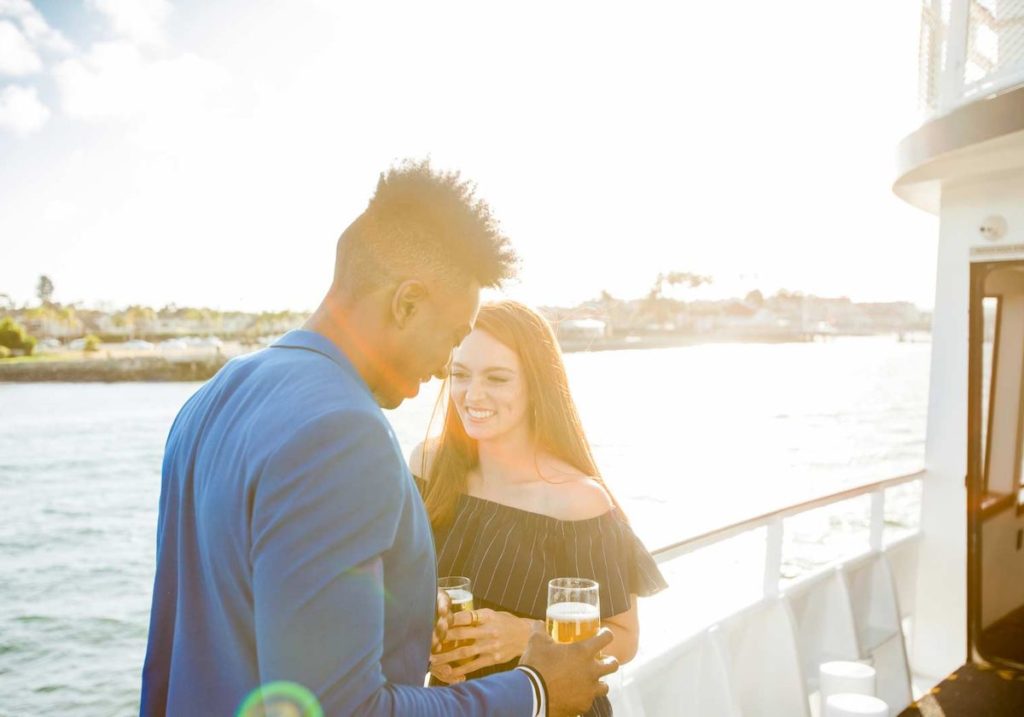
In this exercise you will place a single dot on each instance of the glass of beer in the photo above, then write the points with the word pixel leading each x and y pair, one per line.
pixel 460 592
pixel 574 609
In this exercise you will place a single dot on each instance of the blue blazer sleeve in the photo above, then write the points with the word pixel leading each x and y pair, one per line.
pixel 325 508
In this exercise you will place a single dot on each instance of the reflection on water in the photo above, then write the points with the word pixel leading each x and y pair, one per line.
pixel 688 438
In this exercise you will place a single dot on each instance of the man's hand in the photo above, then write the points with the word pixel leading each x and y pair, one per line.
pixel 571 672
pixel 496 638
pixel 444 621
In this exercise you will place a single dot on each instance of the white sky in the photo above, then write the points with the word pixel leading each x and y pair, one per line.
pixel 209 153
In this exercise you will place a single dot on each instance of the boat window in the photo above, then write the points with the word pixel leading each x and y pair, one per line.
pixel 990 310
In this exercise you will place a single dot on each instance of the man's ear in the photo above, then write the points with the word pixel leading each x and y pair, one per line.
pixel 407 301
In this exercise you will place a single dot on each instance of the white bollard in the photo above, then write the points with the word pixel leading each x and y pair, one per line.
pixel 839 677
pixel 853 705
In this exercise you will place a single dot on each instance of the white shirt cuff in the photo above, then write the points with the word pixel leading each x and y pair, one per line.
pixel 540 692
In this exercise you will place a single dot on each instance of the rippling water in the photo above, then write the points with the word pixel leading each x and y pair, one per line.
pixel 688 438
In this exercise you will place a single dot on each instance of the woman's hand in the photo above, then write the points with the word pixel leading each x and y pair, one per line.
pixel 496 638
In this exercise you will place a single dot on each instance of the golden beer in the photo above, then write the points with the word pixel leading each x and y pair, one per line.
pixel 460 595
pixel 462 600
pixel 572 621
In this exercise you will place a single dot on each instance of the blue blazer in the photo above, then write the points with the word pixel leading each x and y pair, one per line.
pixel 292 545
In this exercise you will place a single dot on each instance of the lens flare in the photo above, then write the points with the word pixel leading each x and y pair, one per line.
pixel 280 699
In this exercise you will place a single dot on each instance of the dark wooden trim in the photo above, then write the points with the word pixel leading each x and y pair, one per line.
pixel 975 475
pixel 980 505
pixel 993 504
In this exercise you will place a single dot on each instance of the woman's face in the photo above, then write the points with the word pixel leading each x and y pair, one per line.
pixel 488 388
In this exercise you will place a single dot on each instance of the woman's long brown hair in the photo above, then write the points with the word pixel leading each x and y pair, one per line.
pixel 554 421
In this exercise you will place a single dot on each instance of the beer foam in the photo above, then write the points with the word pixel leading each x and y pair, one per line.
pixel 460 596
pixel 573 612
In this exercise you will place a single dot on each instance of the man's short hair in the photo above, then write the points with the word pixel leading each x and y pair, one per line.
pixel 422 221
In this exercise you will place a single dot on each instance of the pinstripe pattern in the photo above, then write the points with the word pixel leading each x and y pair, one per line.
pixel 510 555
pixel 498 547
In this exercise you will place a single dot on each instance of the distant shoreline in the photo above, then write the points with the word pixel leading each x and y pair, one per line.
pixel 666 341
pixel 140 368
pixel 111 370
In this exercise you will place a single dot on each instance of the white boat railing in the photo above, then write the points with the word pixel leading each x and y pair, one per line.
pixel 968 49
pixel 727 647
pixel 774 523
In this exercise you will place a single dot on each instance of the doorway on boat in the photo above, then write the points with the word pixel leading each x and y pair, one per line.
pixel 995 472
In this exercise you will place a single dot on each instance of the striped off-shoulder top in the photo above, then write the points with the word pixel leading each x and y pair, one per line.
pixel 510 554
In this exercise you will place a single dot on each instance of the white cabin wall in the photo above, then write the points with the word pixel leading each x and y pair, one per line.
pixel 940 615
pixel 940 625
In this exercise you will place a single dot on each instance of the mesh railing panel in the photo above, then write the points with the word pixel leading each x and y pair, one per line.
pixel 968 48
pixel 995 41
pixel 931 53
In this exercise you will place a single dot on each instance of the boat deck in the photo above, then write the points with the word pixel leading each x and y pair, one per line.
pixel 981 689
pixel 1006 637
pixel 975 690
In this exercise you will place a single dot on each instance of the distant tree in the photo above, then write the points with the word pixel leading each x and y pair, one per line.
pixel 44 289
pixel 15 338
pixel 608 303
pixel 675 278
pixel 135 318
pixel 68 317
pixel 6 302
pixel 754 298
pixel 11 333
pixel 92 343
pixel 659 309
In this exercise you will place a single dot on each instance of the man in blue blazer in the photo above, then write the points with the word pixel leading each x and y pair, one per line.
pixel 292 545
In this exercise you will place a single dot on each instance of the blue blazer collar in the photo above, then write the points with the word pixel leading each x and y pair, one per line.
pixel 312 341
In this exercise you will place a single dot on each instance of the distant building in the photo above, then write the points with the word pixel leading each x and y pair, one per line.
pixel 581 329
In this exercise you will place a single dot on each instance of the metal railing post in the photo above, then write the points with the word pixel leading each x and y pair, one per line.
pixel 773 557
pixel 877 519
pixel 952 84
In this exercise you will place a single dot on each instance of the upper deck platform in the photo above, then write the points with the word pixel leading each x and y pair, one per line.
pixel 971 77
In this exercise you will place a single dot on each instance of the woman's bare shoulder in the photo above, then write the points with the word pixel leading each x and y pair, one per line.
pixel 422 458
pixel 573 495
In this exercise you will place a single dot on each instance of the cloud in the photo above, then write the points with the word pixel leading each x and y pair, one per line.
pixel 34 26
pixel 16 54
pixel 115 81
pixel 140 21
pixel 21 112
pixel 162 97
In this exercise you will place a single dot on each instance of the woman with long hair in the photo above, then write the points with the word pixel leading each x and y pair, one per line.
pixel 515 499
